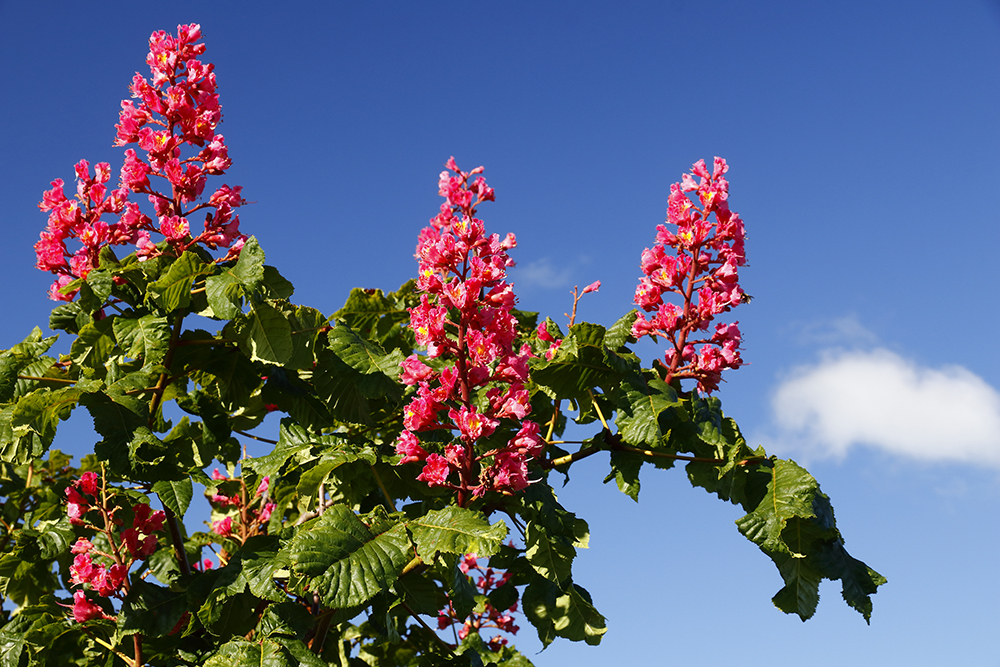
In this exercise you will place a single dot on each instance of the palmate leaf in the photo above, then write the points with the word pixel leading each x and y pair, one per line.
pixel 456 530
pixel 345 561
pixel 794 525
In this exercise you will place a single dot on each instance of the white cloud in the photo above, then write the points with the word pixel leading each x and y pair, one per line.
pixel 879 399
pixel 542 273
pixel 846 330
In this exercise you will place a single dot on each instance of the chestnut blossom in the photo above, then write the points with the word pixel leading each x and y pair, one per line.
pixel 178 108
pixel 465 316
pixel 698 261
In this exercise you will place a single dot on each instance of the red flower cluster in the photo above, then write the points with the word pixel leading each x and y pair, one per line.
pixel 179 107
pixel 465 317
pixel 108 575
pixel 486 580
pixel 249 518
pixel 702 268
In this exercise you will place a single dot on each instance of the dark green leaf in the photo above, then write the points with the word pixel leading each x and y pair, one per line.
pixel 456 530
pixel 646 398
pixel 175 494
pixel 266 334
pixel 345 561
pixel 146 338
pixel 151 610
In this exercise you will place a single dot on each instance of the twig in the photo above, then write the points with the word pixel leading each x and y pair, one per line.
pixel 256 437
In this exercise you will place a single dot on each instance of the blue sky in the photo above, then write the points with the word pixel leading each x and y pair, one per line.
pixel 863 144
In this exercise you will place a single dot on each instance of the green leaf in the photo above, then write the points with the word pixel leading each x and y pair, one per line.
pixel 276 286
pixel 562 613
pixel 94 344
pixel 620 332
pixel 226 290
pixel 647 397
pixel 580 364
pixel 151 610
pixel 346 562
pixel 789 495
pixel 175 494
pixel 41 411
pixel 456 530
pixel 266 334
pixel 625 471
pixel 364 356
pixel 173 289
pixel 274 651
pixel 550 555
pixel 146 337
pixel 18 357
pixel 116 419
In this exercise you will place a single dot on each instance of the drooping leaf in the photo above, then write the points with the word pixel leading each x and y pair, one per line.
pixel 175 494
pixel 550 555
pixel 18 357
pixel 568 613
pixel 151 610
pixel 625 471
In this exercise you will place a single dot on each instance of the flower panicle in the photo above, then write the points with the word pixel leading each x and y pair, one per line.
pixel 177 107
pixel 465 322
pixel 696 259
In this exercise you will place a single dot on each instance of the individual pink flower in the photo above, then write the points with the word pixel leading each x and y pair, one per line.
pixel 435 471
pixel 88 483
pixel 262 487
pixel 81 546
pixel 223 527
pixel 408 446
pixel 265 512
pixel 84 610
